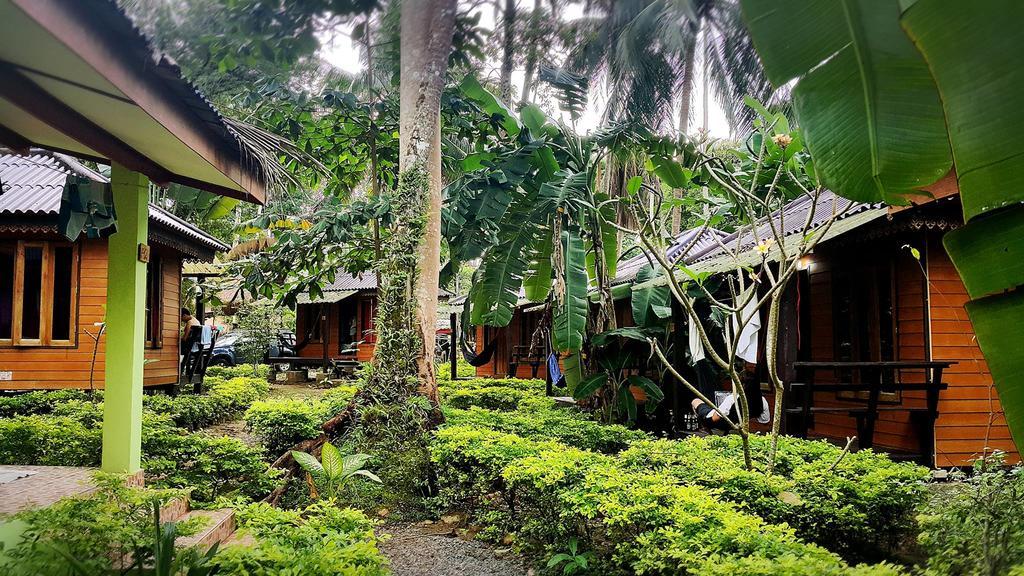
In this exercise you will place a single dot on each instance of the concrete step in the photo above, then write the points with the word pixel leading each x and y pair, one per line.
pixel 219 526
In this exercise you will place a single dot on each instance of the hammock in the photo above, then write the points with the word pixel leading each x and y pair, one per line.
pixel 474 359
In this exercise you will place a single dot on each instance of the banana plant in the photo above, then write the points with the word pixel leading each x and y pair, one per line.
pixel 890 96
pixel 618 353
pixel 333 470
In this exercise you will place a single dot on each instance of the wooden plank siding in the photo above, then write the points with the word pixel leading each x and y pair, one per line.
pixel 162 361
pixel 969 411
pixel 365 306
pixel 894 430
pixel 69 367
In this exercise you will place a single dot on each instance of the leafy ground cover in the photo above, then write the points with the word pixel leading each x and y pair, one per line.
pixel 551 480
pixel 547 476
pixel 64 429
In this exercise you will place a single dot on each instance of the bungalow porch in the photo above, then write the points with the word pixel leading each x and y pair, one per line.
pixel 78 78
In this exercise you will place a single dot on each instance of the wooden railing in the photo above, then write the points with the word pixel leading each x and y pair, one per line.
pixel 873 379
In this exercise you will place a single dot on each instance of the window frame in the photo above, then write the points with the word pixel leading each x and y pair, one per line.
pixel 45 339
pixel 154 307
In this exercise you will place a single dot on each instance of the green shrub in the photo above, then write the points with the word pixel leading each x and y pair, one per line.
pixel 862 507
pixel 37 402
pixel 635 521
pixel 320 540
pixel 337 399
pixel 239 392
pixel 567 426
pixel 191 411
pixel 240 371
pixel 212 466
pixel 95 529
pixel 281 423
pixel 47 440
pixel 974 527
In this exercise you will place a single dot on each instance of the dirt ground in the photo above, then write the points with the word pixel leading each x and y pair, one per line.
pixel 436 549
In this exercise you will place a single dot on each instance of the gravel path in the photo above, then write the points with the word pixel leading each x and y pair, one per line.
pixel 419 550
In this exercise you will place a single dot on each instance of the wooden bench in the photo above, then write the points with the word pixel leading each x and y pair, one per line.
pixel 867 413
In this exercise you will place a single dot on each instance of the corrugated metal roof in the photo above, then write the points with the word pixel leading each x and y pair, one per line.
pixel 627 269
pixel 327 298
pixel 789 220
pixel 742 245
pixel 32 186
pixel 361 281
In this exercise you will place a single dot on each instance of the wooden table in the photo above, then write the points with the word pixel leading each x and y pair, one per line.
pixel 867 413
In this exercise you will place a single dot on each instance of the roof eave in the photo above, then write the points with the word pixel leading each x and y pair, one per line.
pixel 97 33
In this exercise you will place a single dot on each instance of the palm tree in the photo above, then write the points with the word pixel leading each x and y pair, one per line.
pixel 646 52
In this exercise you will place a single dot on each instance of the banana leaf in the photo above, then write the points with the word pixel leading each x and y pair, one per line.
pixel 864 96
pixel 502 275
pixel 650 302
pixel 537 281
pixel 570 318
pixel 972 50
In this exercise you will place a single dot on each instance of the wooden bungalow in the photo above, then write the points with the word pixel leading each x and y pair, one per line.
pixel 53 293
pixel 877 306
pixel 338 326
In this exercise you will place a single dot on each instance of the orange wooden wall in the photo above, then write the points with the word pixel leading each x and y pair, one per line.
pixel 305 313
pixel 969 411
pixel 48 368
pixel 944 333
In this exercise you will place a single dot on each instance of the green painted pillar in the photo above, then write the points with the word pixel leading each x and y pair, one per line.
pixel 126 301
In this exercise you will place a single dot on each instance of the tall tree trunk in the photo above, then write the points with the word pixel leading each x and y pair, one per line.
pixel 507 50
pixel 686 97
pixel 532 56
pixel 408 272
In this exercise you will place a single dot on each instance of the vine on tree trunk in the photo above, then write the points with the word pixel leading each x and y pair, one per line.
pixel 399 340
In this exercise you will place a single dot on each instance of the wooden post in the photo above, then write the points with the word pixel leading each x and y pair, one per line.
pixel 125 329
pixel 453 344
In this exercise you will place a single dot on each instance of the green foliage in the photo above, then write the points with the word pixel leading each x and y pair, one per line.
pixel 92 531
pixel 281 423
pixel 260 321
pixel 564 425
pixel 71 435
pixel 242 370
pixel 48 441
pixel 973 527
pixel 37 402
pixel 239 393
pixel 635 520
pixel 333 470
pixel 321 540
pixel 571 561
pixel 862 508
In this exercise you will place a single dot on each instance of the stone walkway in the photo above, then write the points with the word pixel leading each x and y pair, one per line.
pixel 43 487
pixel 418 549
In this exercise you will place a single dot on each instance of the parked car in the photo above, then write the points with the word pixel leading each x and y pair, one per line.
pixel 225 349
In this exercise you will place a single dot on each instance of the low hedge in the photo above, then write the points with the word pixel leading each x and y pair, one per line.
pixel 635 521
pixel 282 422
pixel 567 426
pixel 240 371
pixel 117 521
pixel 860 505
pixel 172 457
pixel 319 540
pixel 37 402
